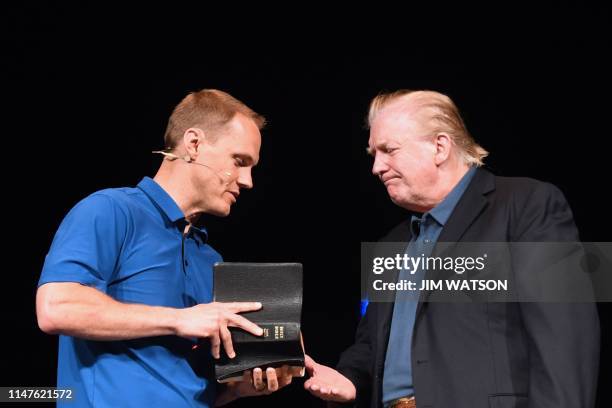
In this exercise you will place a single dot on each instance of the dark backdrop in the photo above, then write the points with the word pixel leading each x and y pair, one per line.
pixel 90 92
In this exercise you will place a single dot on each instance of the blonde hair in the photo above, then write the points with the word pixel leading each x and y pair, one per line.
pixel 444 116
pixel 208 109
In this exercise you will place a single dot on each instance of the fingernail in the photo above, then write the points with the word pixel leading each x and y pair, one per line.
pixel 258 304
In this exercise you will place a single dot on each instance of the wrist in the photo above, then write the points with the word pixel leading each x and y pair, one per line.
pixel 171 321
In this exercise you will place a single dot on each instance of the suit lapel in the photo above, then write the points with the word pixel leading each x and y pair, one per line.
pixel 469 207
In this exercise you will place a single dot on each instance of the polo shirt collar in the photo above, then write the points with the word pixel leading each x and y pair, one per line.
pixel 168 206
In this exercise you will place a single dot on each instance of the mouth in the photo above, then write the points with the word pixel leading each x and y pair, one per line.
pixel 389 180
pixel 234 195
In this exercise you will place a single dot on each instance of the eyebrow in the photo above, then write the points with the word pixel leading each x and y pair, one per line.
pixel 381 146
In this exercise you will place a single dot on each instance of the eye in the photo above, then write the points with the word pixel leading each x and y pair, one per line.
pixel 239 162
pixel 389 150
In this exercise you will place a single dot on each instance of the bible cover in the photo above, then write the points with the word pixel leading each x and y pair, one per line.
pixel 278 286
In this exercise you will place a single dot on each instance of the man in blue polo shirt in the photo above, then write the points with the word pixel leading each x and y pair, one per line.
pixel 127 282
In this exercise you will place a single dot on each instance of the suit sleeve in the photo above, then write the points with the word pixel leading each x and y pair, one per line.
pixel 563 338
pixel 356 361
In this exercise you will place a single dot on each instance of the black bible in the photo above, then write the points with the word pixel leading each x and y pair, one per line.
pixel 278 286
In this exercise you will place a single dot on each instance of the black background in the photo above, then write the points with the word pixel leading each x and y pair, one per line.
pixel 89 93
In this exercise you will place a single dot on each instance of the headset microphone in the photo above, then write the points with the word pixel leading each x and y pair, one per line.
pixel 171 156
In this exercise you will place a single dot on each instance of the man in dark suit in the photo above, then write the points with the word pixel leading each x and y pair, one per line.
pixel 454 355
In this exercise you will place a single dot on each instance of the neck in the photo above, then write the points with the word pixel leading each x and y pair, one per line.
pixel 448 183
pixel 175 182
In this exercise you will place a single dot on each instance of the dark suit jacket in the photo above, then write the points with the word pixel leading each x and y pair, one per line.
pixel 493 355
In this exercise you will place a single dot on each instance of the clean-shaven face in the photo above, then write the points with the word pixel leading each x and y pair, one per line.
pixel 404 157
pixel 230 158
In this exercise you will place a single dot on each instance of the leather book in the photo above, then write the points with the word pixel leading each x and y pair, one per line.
pixel 278 286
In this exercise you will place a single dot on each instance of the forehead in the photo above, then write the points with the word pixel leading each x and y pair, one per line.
pixel 398 123
pixel 241 136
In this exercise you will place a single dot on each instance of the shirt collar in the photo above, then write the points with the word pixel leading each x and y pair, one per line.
pixel 442 212
pixel 168 206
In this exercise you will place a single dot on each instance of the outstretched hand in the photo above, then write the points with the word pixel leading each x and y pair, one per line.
pixel 327 383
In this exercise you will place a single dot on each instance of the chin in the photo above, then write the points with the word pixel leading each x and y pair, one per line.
pixel 221 211
pixel 395 197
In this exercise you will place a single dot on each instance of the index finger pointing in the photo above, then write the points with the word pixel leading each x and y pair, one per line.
pixel 245 324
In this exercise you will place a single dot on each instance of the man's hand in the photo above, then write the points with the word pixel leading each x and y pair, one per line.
pixel 254 383
pixel 327 383
pixel 211 320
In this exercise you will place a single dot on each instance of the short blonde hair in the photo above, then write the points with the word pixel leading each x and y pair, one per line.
pixel 444 115
pixel 208 109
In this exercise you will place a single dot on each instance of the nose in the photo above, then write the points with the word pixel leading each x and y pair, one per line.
pixel 245 180
pixel 380 165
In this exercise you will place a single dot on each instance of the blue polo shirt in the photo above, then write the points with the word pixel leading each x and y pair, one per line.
pixel 129 244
